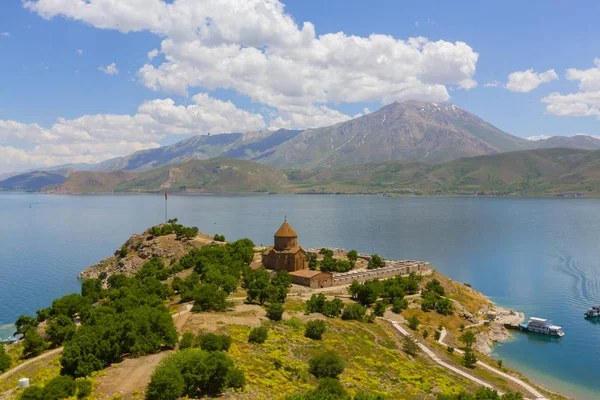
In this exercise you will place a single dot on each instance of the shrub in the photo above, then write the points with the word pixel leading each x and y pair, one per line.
pixel 275 312
pixel 193 373
pixel 4 359
pixel 32 393
pixel 444 306
pixel 186 341
pixel 123 252
pixel 425 333
pixel 379 308
pixel 450 349
pixel 315 329
pixel 437 335
pixel 258 335
pixel 329 388
pixel 84 388
pixel 410 345
pixel 413 322
pixel 326 365
pixel 435 286
pixel 213 342
pixel 219 238
pixel 60 388
pixel 354 311
pixel 371 318
pixel 352 256
pixel 332 308
pixel 499 363
pixel 399 305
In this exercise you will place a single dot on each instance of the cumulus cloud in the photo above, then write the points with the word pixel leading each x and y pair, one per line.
pixel 94 138
pixel 79 52
pixel 110 69
pixel 255 48
pixel 585 102
pixel 526 81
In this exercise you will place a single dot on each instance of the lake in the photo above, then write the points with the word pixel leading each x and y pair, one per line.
pixel 538 255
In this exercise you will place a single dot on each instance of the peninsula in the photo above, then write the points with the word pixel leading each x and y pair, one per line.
pixel 280 322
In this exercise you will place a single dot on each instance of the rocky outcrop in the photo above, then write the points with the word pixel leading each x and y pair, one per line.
pixel 140 248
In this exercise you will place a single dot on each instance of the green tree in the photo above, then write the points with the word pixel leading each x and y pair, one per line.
pixel 399 305
pixel 352 256
pixel 410 345
pixel 315 303
pixel 444 306
pixel 413 322
pixel 312 261
pixel 435 286
pixel 379 308
pixel 368 293
pixel 208 297
pixel 33 393
pixel 93 289
pixel 429 300
pixel 60 329
pixel 219 238
pixel 354 288
pixel 315 329
pixel 332 308
pixel 275 312
pixel 214 342
pixel 326 365
pixel 84 388
pixel 59 388
pixel 468 338
pixel 187 341
pixel 33 343
pixel 165 384
pixel 376 262
pixel 4 359
pixel 354 311
pixel 258 335
pixel 24 322
pixel 469 358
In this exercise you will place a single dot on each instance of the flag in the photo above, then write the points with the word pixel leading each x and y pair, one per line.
pixel 166 197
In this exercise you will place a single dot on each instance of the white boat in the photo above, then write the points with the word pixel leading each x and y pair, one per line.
pixel 593 312
pixel 543 326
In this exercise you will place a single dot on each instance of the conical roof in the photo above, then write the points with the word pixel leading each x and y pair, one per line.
pixel 286 231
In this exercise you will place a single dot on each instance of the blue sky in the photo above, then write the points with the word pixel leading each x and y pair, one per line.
pixel 53 53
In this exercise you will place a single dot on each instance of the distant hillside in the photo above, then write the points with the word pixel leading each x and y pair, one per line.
pixel 34 181
pixel 528 172
pixel 544 171
pixel 217 175
pixel 233 145
pixel 573 142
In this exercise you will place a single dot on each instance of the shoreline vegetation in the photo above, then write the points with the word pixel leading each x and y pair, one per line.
pixel 174 299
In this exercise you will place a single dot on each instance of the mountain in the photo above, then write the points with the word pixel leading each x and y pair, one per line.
pixel 234 145
pixel 35 180
pixel 217 175
pixel 573 142
pixel 411 130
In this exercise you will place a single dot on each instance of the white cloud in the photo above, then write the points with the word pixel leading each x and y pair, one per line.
pixel 94 138
pixel 79 52
pixel 585 102
pixel 538 137
pixel 255 48
pixel 110 69
pixel 5 34
pixel 541 137
pixel 492 84
pixel 526 81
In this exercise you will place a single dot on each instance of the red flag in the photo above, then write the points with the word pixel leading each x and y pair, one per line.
pixel 166 197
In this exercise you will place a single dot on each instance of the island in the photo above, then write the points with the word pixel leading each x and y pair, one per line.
pixel 175 312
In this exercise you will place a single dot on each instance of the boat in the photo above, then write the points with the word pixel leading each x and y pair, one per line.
pixel 593 312
pixel 543 326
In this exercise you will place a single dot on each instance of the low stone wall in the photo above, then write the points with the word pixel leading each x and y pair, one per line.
pixel 391 269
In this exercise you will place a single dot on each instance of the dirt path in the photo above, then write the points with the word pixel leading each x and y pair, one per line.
pixel 19 367
pixel 127 377
pixel 518 381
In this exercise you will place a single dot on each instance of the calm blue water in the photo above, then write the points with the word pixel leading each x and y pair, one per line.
pixel 541 256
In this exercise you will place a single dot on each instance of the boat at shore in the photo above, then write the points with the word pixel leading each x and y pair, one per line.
pixel 593 312
pixel 542 326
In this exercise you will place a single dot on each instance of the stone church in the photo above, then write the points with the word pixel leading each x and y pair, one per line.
pixel 285 254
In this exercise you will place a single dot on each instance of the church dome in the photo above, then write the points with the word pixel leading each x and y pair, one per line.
pixel 286 231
